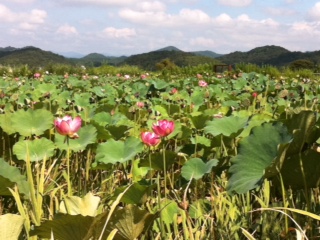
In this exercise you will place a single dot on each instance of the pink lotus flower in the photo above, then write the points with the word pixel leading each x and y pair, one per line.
pixel 140 104
pixel 202 83
pixel 174 91
pixel 163 127
pixel 150 138
pixel 143 76
pixel 67 126
pixel 37 75
pixel 254 95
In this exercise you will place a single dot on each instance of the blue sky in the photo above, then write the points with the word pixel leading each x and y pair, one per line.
pixel 125 27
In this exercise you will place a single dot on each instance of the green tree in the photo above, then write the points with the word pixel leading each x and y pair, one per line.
pixel 301 64
pixel 166 64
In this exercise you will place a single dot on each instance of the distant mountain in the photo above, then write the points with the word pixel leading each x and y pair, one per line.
pixel 32 56
pixel 97 59
pixel 265 55
pixel 269 55
pixel 149 60
pixel 208 54
pixel 169 48
pixel 71 54
pixel 7 49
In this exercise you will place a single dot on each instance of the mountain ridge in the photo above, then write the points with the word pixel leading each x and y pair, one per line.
pixel 269 54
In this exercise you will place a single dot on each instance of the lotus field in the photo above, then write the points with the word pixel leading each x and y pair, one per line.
pixel 149 157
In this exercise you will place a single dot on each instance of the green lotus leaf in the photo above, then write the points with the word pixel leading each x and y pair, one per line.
pixel 117 132
pixel 82 99
pixel 10 176
pixel 102 118
pixel 11 226
pixel 302 127
pixel 131 221
pixel 226 126
pixel 256 152
pixel 62 99
pixel 159 83
pixel 239 84
pixel 196 168
pixel 6 123
pixel 118 151
pixel 161 110
pixel 169 210
pixel 87 135
pixel 199 121
pixel 119 119
pixel 36 150
pixel 64 227
pixel 291 170
pixel 134 195
pixel 99 91
pixel 32 122
pixel 140 88
pixel 201 140
pixel 197 97
pixel 138 173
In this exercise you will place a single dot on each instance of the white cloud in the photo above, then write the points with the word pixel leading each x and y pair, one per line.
pixel 67 30
pixel 223 18
pixel 148 6
pixel 280 11
pixel 115 3
pixel 21 1
pixel 27 26
pixel 203 43
pixel 194 16
pixel 314 13
pixel 147 18
pixel 185 16
pixel 37 16
pixel 306 28
pixel 235 3
pixel 119 33
pixel 244 17
pixel 24 20
pixel 290 1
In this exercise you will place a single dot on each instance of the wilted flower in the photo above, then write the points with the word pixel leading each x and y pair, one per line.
pixel 199 76
pixel 203 83
pixel 67 126
pixel 163 127
pixel 150 138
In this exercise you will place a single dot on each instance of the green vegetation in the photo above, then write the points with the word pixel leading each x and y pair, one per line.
pixel 273 56
pixel 149 61
pixel 234 155
pixel 266 57
pixel 31 56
